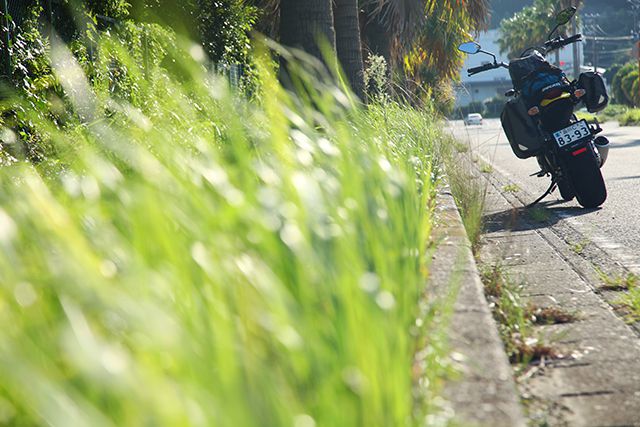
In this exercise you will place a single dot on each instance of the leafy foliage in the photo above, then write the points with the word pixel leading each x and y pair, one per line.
pixel 196 259
pixel 221 26
pixel 224 29
pixel 432 58
pixel 630 118
pixel 33 76
pixel 529 27
pixel 624 85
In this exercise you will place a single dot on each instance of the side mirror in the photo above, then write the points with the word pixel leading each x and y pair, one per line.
pixel 565 16
pixel 469 47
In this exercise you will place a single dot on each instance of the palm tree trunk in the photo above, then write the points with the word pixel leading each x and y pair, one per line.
pixel 348 45
pixel 305 24
pixel 376 38
pixel 375 33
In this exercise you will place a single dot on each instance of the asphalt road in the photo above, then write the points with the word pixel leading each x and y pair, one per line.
pixel 616 225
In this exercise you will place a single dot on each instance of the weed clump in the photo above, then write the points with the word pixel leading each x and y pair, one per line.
pixel 617 282
pixel 514 317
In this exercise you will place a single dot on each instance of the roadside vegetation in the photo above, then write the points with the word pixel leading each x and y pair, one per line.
pixel 630 118
pixel 613 112
pixel 516 319
pixel 198 227
pixel 628 285
pixel 617 282
pixel 207 260
pixel 469 191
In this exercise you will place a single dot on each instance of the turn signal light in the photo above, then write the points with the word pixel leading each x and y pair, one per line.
pixel 533 111
pixel 579 93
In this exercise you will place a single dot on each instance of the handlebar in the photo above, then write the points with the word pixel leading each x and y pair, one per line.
pixel 485 67
pixel 559 42
pixel 476 70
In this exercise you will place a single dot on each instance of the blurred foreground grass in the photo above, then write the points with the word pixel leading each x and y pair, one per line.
pixel 202 260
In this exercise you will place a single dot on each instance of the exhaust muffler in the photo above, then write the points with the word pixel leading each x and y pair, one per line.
pixel 602 146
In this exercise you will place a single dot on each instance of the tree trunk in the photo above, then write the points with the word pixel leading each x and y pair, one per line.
pixel 305 24
pixel 348 45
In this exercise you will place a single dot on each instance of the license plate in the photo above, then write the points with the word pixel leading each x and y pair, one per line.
pixel 573 133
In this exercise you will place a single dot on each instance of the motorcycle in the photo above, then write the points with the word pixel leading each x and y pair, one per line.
pixel 539 118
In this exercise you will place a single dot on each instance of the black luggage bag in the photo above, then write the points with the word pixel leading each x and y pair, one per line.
pixel 521 130
pixel 595 98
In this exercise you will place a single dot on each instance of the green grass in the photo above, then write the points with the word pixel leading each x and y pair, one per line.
pixel 586 116
pixel 511 188
pixel 630 118
pixel 579 247
pixel 627 284
pixel 468 191
pixel 631 303
pixel 486 168
pixel 515 318
pixel 538 214
pixel 617 281
pixel 613 112
pixel 195 259
pixel 460 147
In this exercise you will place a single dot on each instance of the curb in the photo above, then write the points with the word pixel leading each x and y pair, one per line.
pixel 485 393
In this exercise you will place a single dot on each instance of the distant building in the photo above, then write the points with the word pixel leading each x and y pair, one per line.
pixel 488 84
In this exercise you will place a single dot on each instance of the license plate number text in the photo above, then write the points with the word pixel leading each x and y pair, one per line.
pixel 573 133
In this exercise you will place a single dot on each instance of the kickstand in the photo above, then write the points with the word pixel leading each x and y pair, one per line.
pixel 546 193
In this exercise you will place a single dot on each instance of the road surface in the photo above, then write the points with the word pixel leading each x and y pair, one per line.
pixel 594 377
pixel 616 225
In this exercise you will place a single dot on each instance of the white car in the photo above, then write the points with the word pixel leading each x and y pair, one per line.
pixel 473 119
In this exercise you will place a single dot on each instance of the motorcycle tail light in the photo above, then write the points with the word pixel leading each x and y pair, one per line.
pixel 579 151
pixel 579 93
pixel 533 111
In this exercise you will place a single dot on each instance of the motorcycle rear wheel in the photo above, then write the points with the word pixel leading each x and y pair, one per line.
pixel 583 171
pixel 566 191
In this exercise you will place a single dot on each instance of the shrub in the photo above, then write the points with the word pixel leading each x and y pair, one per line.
pixel 493 107
pixel 376 78
pixel 473 107
pixel 630 118
pixel 622 84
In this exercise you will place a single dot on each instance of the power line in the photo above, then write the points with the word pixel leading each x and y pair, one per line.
pixel 605 39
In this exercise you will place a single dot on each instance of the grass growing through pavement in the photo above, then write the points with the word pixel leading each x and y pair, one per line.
pixel 486 168
pixel 629 301
pixel 469 192
pixel 511 188
pixel 617 282
pixel 579 247
pixel 202 260
pixel 538 214
pixel 514 317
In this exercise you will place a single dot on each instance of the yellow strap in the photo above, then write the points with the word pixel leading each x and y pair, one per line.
pixel 546 102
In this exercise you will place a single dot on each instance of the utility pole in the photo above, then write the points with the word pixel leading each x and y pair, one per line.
pixel 590 23
pixel 576 47
pixel 638 50
pixel 635 6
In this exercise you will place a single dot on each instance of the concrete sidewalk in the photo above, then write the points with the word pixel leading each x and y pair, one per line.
pixel 596 379
pixel 485 394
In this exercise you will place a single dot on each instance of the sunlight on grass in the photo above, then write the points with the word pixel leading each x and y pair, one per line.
pixel 189 258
